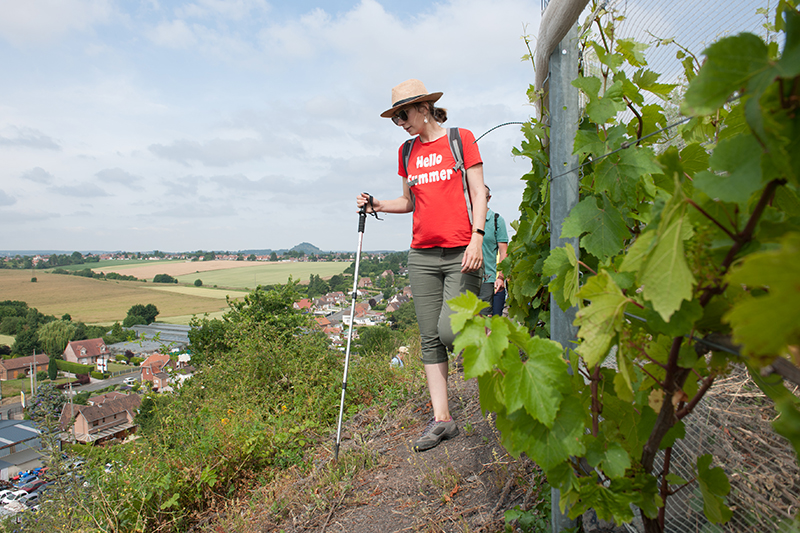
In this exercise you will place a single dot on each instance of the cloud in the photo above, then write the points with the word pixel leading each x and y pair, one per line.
pixel 80 190
pixel 6 199
pixel 228 9
pixel 117 175
pixel 174 34
pixel 225 152
pixel 45 21
pixel 38 175
pixel 273 185
pixel 28 137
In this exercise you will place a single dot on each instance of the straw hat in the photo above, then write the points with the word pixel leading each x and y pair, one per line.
pixel 408 92
pixel 403 349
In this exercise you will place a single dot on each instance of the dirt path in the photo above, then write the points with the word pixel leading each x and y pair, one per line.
pixel 464 485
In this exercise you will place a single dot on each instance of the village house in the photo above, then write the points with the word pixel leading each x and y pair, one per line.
pixel 86 352
pixel 153 370
pixel 20 366
pixel 396 301
pixel 364 282
pixel 107 417
pixel 303 305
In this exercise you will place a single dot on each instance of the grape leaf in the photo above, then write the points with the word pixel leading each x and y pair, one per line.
pixel 731 63
pixel 618 174
pixel 714 486
pixel 550 446
pixel 665 275
pixel 563 264
pixel 605 228
pixel 538 384
pixel 766 324
pixel 601 320
pixel 740 158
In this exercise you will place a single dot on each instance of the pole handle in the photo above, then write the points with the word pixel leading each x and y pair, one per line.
pixel 362 214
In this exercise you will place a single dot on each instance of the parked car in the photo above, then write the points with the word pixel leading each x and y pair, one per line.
pixel 14 496
pixel 30 499
pixel 130 380
pixel 33 485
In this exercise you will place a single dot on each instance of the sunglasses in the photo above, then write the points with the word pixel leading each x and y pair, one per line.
pixel 400 115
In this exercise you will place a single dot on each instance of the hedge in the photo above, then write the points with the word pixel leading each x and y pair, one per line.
pixel 73 368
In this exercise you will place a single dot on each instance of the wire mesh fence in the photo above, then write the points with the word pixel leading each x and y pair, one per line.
pixel 733 422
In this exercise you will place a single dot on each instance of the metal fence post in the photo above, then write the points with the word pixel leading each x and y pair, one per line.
pixel 564 117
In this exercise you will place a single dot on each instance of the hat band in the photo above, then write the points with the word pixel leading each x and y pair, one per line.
pixel 407 100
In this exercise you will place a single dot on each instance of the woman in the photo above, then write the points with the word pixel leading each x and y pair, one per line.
pixel 446 256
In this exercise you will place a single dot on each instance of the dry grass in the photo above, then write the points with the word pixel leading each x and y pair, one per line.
pixel 97 301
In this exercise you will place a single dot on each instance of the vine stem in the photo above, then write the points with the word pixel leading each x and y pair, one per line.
pixel 688 408
pixel 676 375
pixel 712 219
pixel 596 406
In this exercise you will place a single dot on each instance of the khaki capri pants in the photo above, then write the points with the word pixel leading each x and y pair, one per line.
pixel 435 276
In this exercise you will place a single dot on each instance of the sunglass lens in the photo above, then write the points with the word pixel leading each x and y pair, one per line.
pixel 401 115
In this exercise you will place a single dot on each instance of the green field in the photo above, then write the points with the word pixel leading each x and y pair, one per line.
pixel 249 277
pixel 8 340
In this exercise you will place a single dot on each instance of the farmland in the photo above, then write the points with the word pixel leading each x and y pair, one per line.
pixel 244 275
pixel 106 301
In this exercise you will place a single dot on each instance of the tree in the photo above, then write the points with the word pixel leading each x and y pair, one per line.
pixel 404 317
pixel 198 283
pixel 251 257
pixel 273 256
pixel 54 337
pixel 52 369
pixel 164 278
pixel 26 342
pixel 147 312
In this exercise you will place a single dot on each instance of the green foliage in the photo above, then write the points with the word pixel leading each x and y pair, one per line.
pixel 54 336
pixel 377 340
pixel 164 278
pixel 139 312
pixel 405 317
pixel 198 283
pixel 52 369
pixel 73 368
pixel 47 402
pixel 675 244
pixel 257 407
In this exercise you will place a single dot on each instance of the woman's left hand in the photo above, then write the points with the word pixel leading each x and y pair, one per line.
pixel 473 255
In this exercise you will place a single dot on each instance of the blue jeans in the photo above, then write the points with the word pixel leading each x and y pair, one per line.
pixel 435 276
pixel 496 300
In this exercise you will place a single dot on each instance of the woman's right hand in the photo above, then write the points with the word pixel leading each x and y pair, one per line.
pixel 363 199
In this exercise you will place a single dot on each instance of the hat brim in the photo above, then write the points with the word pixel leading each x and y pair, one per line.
pixel 432 97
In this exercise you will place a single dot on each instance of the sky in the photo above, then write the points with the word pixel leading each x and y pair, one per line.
pixel 240 124
pixel 253 124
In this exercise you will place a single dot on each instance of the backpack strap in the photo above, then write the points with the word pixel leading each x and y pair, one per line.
pixel 407 146
pixel 457 148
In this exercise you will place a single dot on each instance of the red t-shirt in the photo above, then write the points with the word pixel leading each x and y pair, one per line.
pixel 440 212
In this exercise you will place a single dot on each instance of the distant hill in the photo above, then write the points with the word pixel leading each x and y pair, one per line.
pixel 306 248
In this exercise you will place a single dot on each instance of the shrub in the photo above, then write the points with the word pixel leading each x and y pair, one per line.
pixel 98 375
pixel 198 283
pixel 33 280
pixel 73 368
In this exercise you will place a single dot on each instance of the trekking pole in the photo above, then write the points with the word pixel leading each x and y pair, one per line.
pixel 362 220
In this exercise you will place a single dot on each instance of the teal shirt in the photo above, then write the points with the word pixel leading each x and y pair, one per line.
pixel 490 240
